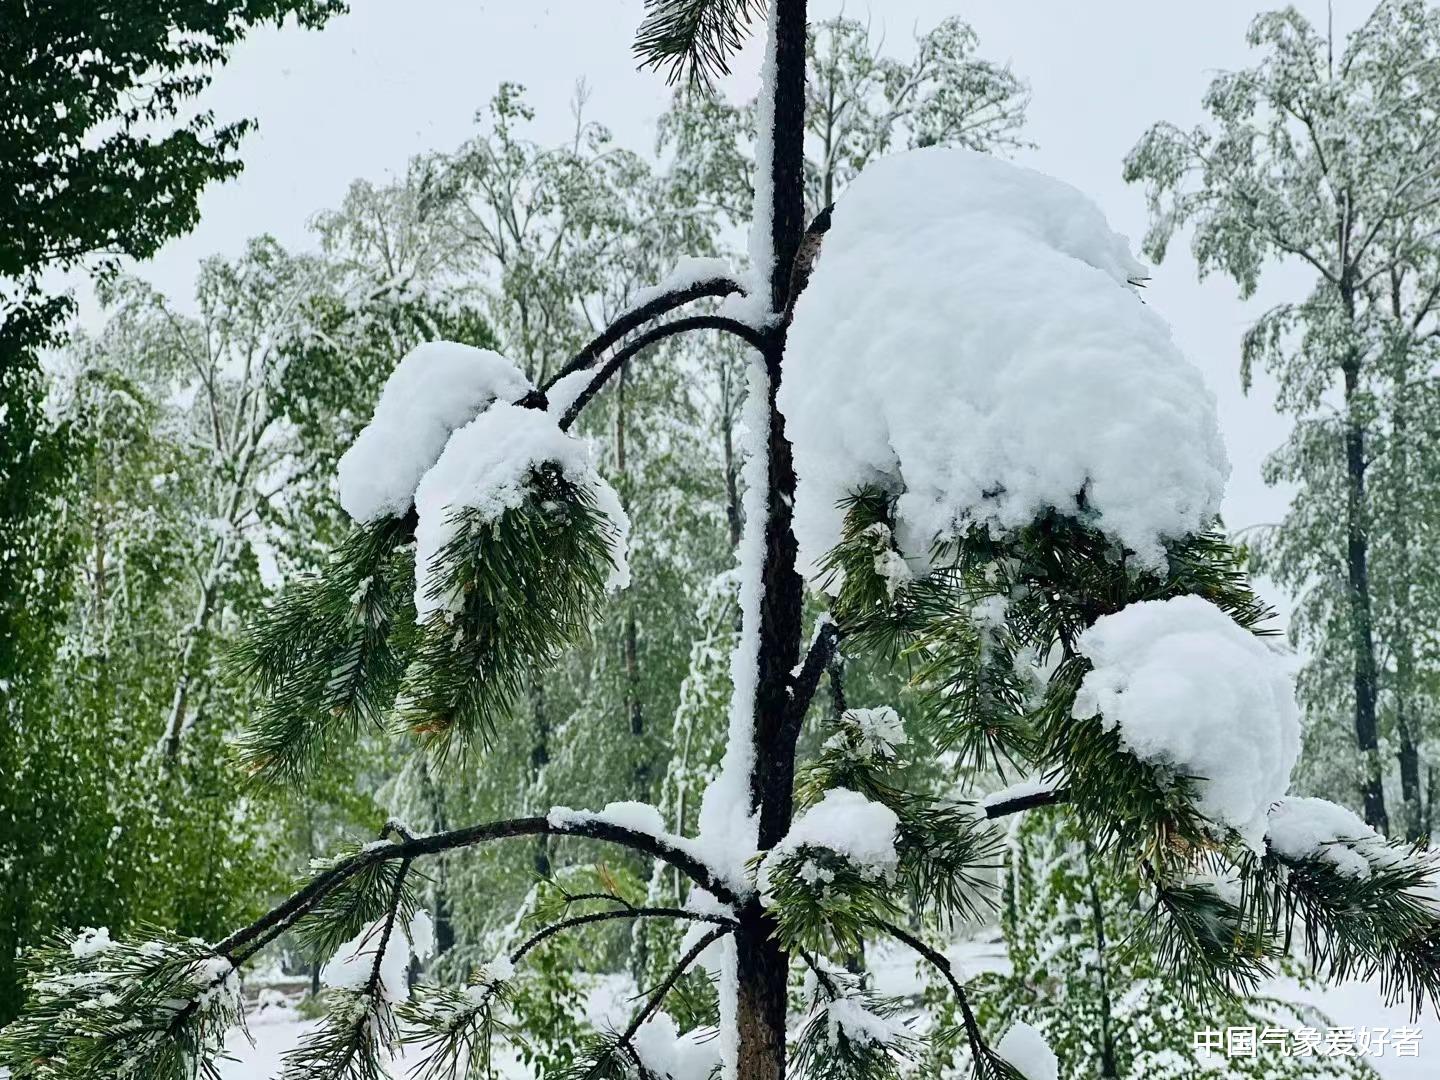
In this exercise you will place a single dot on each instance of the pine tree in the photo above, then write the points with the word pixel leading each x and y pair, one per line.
pixel 1106 1008
pixel 1326 157
pixel 1063 613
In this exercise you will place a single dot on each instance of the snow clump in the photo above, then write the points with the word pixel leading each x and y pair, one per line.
pixel 436 387
pixel 847 823
pixel 486 467
pixel 1198 695
pixel 970 342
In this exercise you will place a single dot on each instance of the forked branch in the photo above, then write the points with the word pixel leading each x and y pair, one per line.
pixel 748 334
pixel 244 942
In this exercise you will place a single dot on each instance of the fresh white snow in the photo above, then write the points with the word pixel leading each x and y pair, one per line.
pixel 486 467
pixel 436 387
pixel 1302 828
pixel 91 940
pixel 1021 790
pixel 352 965
pixel 689 271
pixel 861 1025
pixel 1194 693
pixel 1026 1049
pixel 847 823
pixel 875 733
pixel 672 1056
pixel 637 816
pixel 969 343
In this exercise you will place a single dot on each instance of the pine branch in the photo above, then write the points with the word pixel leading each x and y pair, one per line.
pixel 613 1056
pixel 817 662
pixel 360 1027
pixel 514 592
pixel 328 657
pixel 1020 803
pixel 637 317
pixel 852 1034
pixel 159 1009
pixel 246 940
pixel 694 39
pixel 651 337
pixel 987 1064
pixel 543 935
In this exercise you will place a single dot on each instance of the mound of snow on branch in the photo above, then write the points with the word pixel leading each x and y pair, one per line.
pixel 969 342
pixel 435 389
pixel 669 1055
pixel 1301 828
pixel 1195 693
pixel 1026 1049
pixel 486 467
pixel 846 823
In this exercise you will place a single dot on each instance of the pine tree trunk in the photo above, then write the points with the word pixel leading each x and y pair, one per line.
pixel 761 964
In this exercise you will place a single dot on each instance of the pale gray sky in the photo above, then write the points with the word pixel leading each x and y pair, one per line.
pixel 396 77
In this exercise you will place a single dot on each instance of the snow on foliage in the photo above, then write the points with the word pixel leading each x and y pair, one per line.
pixel 91 940
pixel 1026 1049
pixel 870 733
pixel 1197 695
pixel 436 387
pixel 1023 789
pixel 970 343
pixel 353 964
pixel 486 467
pixel 1301 828
pixel 669 1055
pixel 850 1018
pixel 846 823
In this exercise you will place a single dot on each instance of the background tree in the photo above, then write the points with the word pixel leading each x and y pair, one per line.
pixel 95 164
pixel 1109 1009
pixel 1328 157
pixel 860 104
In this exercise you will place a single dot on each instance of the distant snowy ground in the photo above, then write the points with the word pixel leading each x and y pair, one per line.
pixel 1352 1005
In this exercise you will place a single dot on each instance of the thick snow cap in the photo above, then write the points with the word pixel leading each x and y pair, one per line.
pixel 485 466
pixel 1193 692
pixel 970 342
pixel 436 388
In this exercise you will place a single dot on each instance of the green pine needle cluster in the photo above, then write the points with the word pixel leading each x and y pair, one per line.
pixel 328 657
pixel 342 650
pixel 360 900
pixel 519 589
pixel 989 635
pixel 157 1010
pixel 946 848
pixel 850 1032
pixel 455 1029
pixel 694 39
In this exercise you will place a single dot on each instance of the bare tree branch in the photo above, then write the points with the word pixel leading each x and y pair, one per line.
pixel 281 917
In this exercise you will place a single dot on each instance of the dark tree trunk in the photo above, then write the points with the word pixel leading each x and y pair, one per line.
pixel 1410 777
pixel 630 638
pixel 1108 1069
pixel 1362 634
pixel 761 962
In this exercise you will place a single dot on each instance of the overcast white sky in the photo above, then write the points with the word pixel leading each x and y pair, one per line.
pixel 396 77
